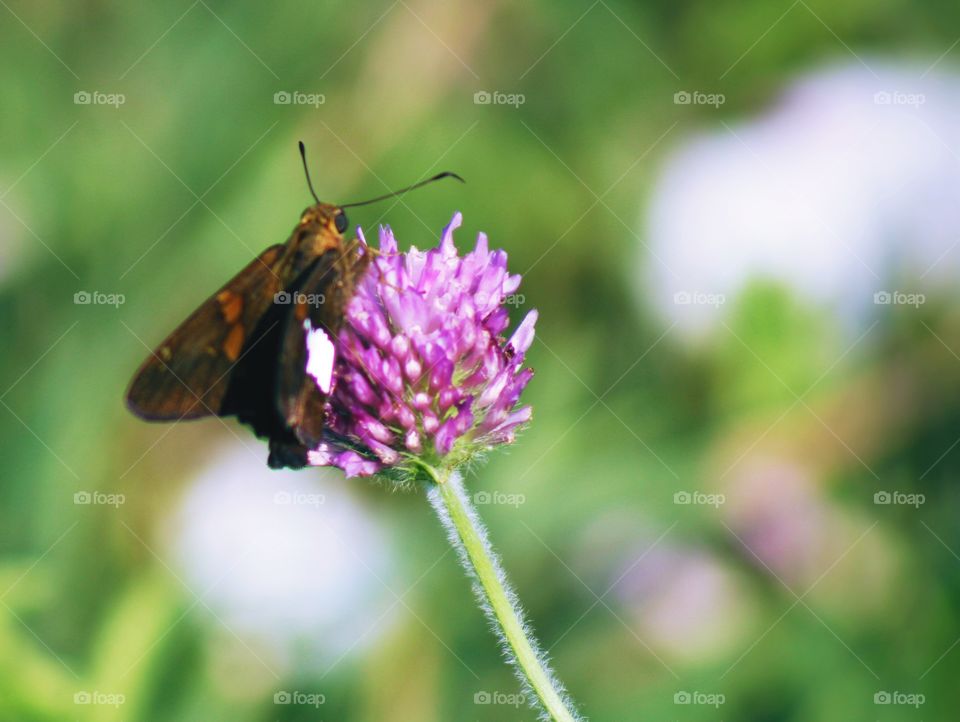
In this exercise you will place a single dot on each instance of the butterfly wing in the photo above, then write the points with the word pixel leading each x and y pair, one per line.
pixel 188 375
pixel 305 377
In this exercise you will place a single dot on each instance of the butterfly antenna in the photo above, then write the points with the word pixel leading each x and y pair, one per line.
pixel 438 176
pixel 306 171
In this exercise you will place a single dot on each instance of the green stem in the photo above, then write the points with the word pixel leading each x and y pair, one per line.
pixel 469 536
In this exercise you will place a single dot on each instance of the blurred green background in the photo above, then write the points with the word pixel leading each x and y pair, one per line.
pixel 163 573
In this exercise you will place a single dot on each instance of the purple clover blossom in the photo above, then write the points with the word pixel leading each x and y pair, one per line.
pixel 421 379
pixel 421 369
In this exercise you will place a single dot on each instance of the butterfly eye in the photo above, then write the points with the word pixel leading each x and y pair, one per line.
pixel 340 220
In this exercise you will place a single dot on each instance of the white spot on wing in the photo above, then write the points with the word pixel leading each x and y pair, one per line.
pixel 320 356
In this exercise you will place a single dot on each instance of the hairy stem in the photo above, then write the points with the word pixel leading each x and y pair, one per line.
pixel 499 602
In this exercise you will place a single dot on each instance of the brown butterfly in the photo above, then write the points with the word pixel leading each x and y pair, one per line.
pixel 243 352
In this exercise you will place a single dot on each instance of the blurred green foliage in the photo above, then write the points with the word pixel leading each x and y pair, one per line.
pixel 163 197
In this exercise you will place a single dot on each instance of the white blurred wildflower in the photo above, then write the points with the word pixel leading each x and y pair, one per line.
pixel 285 560
pixel 846 187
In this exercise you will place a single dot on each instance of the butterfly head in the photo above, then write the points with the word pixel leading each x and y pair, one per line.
pixel 324 217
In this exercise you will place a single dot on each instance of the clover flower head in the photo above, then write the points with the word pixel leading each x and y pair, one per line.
pixel 422 369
